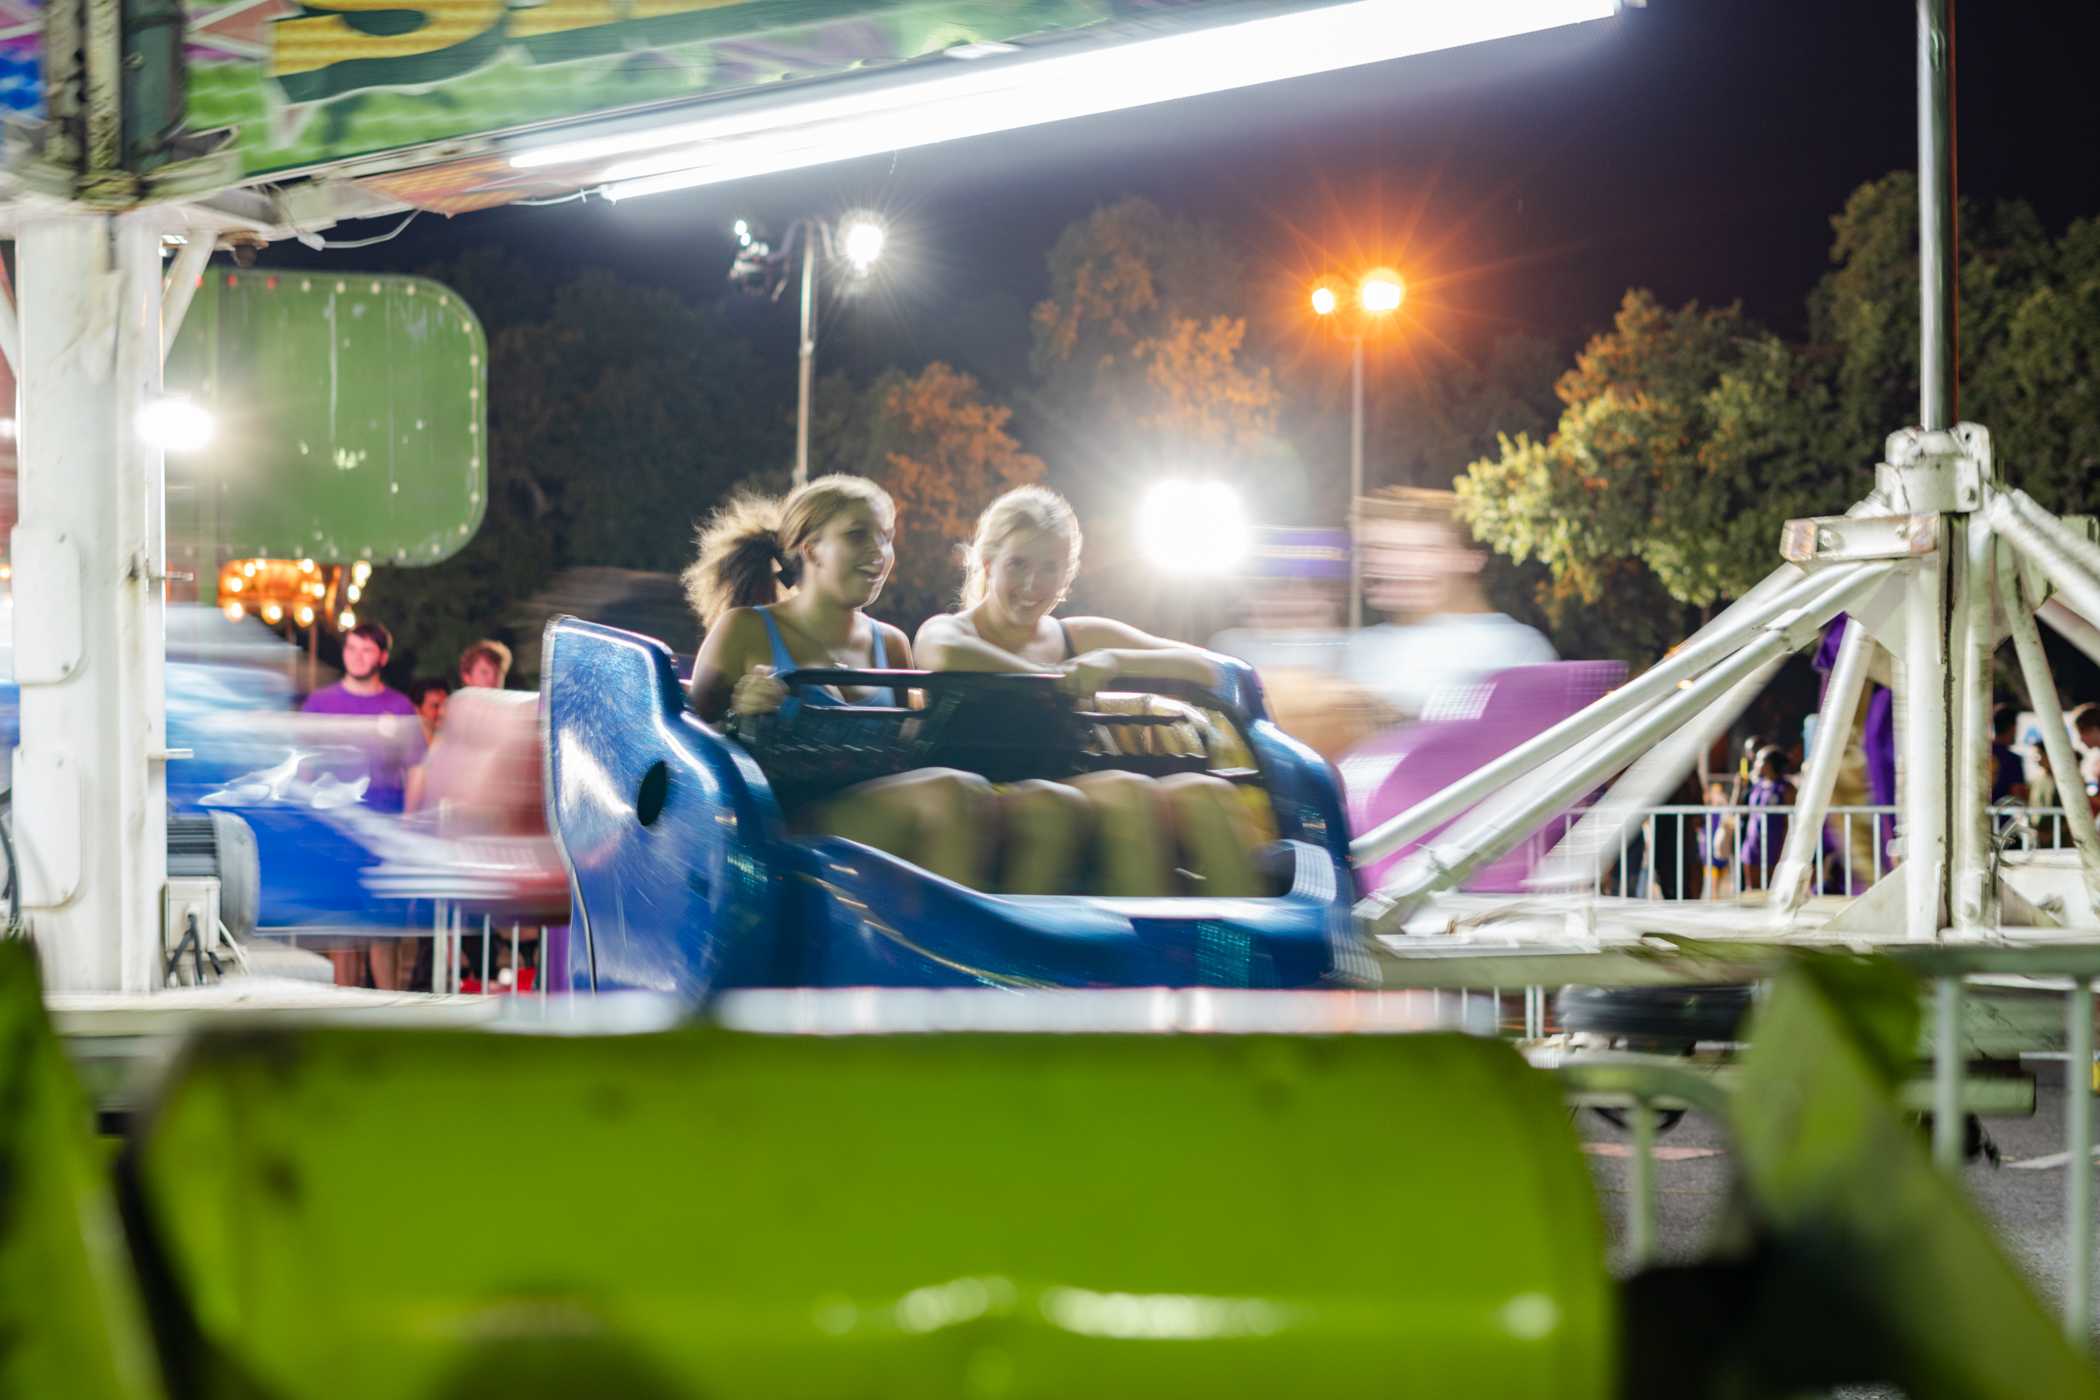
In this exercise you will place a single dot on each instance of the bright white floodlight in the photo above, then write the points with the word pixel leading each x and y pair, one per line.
pixel 1193 527
pixel 861 241
pixel 175 424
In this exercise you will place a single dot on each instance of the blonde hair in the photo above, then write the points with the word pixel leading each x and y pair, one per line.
pixel 751 549
pixel 1023 510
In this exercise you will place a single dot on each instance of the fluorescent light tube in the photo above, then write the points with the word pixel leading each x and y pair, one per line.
pixel 997 95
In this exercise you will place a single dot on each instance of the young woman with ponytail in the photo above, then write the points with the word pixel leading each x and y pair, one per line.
pixel 780 584
pixel 1018 568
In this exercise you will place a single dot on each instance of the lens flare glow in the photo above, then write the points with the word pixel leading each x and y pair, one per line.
pixel 1195 528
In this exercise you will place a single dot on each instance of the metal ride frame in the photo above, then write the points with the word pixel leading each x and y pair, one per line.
pixel 1940 563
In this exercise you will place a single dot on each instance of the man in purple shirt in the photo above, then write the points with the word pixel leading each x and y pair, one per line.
pixel 391 744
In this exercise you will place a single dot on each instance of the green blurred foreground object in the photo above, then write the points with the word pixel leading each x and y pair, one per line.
pixel 708 1213
pixel 720 1214
pixel 70 1324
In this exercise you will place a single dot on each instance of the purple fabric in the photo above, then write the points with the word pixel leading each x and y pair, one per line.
pixel 1763 836
pixel 338 699
pixel 1879 737
pixel 388 754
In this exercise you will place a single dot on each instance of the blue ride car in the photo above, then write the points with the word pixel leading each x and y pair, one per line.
pixel 686 877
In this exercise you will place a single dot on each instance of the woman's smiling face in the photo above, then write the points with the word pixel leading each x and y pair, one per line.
pixel 1028 574
pixel 850 557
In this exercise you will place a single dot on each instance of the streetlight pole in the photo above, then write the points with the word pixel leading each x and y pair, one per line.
pixel 806 366
pixel 1378 295
pixel 1356 484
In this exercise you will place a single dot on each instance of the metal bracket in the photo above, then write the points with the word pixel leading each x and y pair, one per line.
pixel 1821 540
pixel 1934 472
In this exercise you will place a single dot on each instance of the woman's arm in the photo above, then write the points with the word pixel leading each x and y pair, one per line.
pixel 732 647
pixel 947 643
pixel 1121 650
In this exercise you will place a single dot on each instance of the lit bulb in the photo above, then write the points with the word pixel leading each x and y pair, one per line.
pixel 306 566
pixel 305 616
pixel 236 584
pixel 354 592
pixel 248 569
pixel 359 572
pixel 863 243
pixel 348 620
pixel 234 612
pixel 1324 301
pixel 272 613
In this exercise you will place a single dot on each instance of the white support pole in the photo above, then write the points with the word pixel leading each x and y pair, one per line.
pixel 1947 1124
pixel 1973 891
pixel 1804 836
pixel 10 334
pixel 181 286
pixel 1921 795
pixel 1711 645
pixel 2056 736
pixel 2078 1164
pixel 806 351
pixel 90 790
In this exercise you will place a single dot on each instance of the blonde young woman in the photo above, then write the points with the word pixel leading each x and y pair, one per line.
pixel 780 585
pixel 1020 565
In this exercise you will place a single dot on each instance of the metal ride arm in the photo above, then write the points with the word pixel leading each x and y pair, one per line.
pixel 1712 644
pixel 1503 823
pixel 1804 836
pixel 2056 737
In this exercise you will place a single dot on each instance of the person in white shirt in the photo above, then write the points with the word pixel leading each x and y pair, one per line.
pixel 1423 573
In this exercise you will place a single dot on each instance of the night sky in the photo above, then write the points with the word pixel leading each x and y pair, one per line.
pixel 1697 147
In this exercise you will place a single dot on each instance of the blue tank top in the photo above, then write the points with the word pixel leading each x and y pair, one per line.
pixel 783 663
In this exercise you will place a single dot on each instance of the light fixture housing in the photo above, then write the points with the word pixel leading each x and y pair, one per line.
pixel 1003 92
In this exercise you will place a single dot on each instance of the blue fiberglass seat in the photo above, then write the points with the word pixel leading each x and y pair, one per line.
pixel 687 879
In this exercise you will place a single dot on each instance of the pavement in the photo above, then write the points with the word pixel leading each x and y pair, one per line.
pixel 2023 1196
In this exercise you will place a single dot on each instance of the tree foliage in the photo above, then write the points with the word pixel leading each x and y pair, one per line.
pixel 1686 438
pixel 618 416
pixel 943 451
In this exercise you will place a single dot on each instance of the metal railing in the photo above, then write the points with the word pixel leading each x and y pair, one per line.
pixel 1700 852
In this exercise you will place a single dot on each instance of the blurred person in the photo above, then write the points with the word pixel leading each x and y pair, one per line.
pixel 1424 575
pixel 392 746
pixel 1717 842
pixel 364 693
pixel 1020 564
pixel 486 663
pixel 2008 769
pixel 1764 835
pixel 1293 637
pixel 430 695
pixel 781 584
pixel 2085 731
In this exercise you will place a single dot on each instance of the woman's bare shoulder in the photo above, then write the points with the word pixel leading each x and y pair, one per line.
pixel 946 626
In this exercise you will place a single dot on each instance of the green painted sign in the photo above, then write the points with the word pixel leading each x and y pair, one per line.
pixel 305 84
pixel 351 419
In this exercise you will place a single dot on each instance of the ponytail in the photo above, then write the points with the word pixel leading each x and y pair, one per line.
pixel 751 549
pixel 741 564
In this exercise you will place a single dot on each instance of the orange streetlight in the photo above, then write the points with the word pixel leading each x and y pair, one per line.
pixel 1379 293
